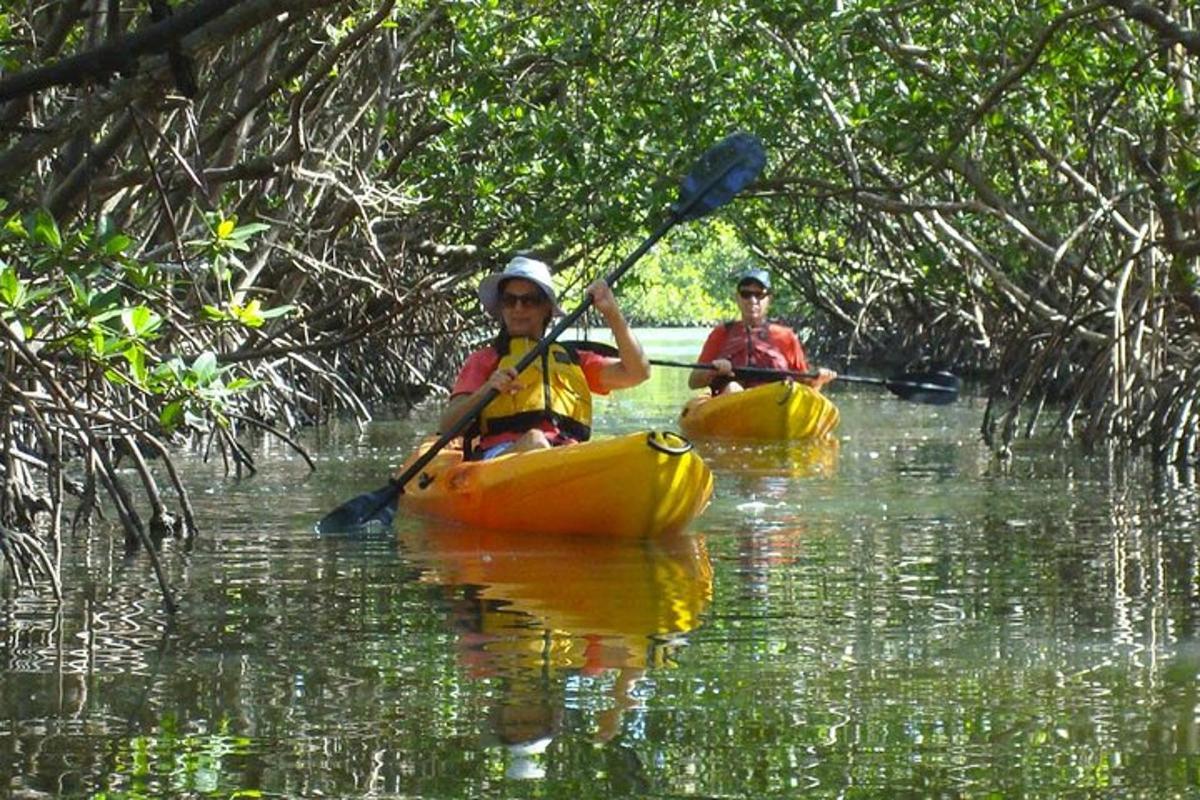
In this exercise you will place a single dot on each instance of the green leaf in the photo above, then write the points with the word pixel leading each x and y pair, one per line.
pixel 171 415
pixel 12 288
pixel 278 311
pixel 169 371
pixel 136 357
pixel 45 230
pixel 116 245
pixel 205 367
pixel 237 384
pixel 80 293
pixel 140 321
pixel 243 232
pixel 249 314
pixel 113 376
pixel 16 226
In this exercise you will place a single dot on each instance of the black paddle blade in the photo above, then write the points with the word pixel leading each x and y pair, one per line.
pixel 368 511
pixel 723 171
pixel 931 388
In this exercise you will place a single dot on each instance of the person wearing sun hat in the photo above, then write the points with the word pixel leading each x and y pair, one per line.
pixel 550 402
pixel 752 341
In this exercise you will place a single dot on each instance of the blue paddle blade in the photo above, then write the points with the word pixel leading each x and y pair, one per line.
pixel 374 509
pixel 723 171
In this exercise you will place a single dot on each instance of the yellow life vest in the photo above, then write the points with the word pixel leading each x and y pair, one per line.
pixel 554 390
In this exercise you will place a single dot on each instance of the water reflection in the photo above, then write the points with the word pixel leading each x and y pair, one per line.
pixel 782 459
pixel 531 614
pixel 768 485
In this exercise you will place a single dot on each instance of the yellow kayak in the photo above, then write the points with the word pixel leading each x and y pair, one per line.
pixel 637 485
pixel 772 411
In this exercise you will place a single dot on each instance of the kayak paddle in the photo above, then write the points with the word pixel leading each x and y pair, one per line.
pixel 932 388
pixel 723 171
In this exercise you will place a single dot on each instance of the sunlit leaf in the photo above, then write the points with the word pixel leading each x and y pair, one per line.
pixel 45 230
pixel 205 367
pixel 116 245
pixel 248 230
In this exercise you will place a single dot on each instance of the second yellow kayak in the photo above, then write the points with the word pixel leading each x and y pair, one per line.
pixel 772 411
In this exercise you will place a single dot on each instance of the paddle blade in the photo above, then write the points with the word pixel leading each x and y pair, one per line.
pixel 931 388
pixel 723 171
pixel 366 512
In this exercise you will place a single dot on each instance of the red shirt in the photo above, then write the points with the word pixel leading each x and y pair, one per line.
pixel 482 363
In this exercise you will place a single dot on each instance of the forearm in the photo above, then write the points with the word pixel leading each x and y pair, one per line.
pixel 823 377
pixel 634 367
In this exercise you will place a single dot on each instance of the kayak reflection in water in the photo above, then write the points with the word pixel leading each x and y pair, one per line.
pixel 536 614
pixel 752 342
pixel 550 402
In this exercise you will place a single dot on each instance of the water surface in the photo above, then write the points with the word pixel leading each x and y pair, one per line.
pixel 894 613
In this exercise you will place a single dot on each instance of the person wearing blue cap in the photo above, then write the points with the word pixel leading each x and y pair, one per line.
pixel 752 342
pixel 550 402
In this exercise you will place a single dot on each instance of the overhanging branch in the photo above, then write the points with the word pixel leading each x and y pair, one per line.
pixel 1167 29
pixel 119 55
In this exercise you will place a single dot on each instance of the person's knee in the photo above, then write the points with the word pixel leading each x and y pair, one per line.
pixel 532 440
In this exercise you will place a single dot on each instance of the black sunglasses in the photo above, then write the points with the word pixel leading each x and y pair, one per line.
pixel 531 300
pixel 748 294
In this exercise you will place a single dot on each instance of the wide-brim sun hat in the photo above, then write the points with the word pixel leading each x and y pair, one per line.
pixel 760 276
pixel 529 269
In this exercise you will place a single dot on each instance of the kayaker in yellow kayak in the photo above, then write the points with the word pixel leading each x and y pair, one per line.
pixel 550 403
pixel 752 342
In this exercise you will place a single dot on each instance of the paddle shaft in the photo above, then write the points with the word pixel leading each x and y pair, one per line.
pixel 764 372
pixel 738 158
pixel 543 345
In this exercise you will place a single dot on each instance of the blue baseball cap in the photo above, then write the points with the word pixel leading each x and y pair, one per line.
pixel 754 274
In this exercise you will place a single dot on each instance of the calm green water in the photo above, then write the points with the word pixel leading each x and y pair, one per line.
pixel 892 615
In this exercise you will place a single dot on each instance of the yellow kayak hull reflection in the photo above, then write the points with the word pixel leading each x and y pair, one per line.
pixel 632 486
pixel 773 411
pixel 570 602
pixel 749 461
